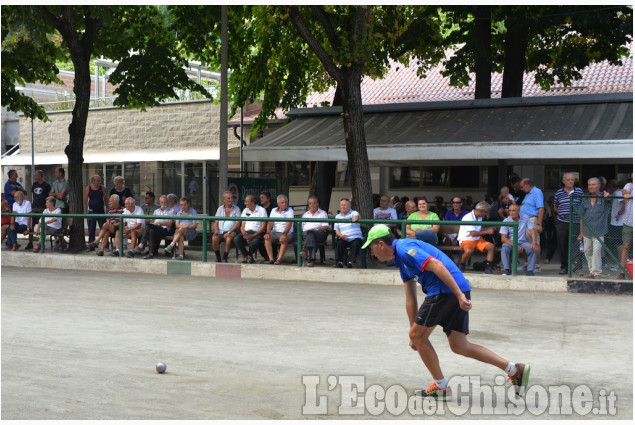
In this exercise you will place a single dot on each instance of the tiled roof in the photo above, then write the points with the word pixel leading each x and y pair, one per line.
pixel 402 85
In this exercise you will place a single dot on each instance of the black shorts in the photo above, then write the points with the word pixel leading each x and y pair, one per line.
pixel 444 310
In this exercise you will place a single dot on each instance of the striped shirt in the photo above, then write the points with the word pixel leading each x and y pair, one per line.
pixel 352 230
pixel 562 199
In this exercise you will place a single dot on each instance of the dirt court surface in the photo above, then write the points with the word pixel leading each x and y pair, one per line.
pixel 84 345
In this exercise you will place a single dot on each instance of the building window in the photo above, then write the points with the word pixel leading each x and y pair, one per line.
pixel 171 178
pixel 440 177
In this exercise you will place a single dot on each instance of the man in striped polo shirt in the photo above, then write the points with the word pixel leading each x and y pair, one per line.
pixel 349 235
pixel 561 203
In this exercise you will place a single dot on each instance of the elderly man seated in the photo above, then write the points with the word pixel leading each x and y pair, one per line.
pixel 314 233
pixel 185 229
pixel 279 231
pixel 251 232
pixel 18 224
pixel 470 237
pixel 225 230
pixel 110 227
pixel 156 230
pixel 524 225
pixel 132 227
pixel 349 235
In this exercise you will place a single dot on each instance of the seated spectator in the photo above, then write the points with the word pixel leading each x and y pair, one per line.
pixel 6 221
pixel 149 206
pixel 18 224
pixel 156 230
pixel 173 203
pixel 524 225
pixel 384 212
pixel 109 228
pixel 251 232
pixel 470 237
pixel 225 230
pixel 51 225
pixel 505 200
pixel 185 229
pixel 314 233
pixel 121 189
pixel 439 207
pixel 455 214
pixel 393 201
pixel 410 208
pixel 279 231
pixel 349 235
pixel 265 202
pixel 469 203
pixel 132 227
pixel 423 232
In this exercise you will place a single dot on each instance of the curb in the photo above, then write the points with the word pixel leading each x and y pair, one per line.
pixel 299 274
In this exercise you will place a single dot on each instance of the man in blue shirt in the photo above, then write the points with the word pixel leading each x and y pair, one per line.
pixel 11 187
pixel 447 303
pixel 534 206
pixel 524 226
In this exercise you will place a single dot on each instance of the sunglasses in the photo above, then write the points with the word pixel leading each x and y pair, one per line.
pixel 457 202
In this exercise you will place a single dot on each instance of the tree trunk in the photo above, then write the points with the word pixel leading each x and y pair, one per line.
pixel 355 138
pixel 75 148
pixel 483 60
pixel 516 42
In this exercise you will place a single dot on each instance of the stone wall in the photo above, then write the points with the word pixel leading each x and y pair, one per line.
pixel 185 125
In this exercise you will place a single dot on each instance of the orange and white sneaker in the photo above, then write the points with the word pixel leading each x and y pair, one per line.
pixel 520 379
pixel 436 392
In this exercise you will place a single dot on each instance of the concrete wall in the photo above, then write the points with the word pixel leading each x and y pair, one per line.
pixel 187 125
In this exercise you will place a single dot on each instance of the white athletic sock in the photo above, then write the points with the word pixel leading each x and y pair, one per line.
pixel 510 369
pixel 442 383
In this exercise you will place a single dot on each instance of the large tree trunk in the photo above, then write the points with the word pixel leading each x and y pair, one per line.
pixel 483 61
pixel 516 42
pixel 355 138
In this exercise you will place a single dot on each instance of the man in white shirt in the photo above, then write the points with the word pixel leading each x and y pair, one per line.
pixel 156 230
pixel 19 224
pixel 314 233
pixel 279 231
pixel 251 232
pixel 470 237
pixel 384 212
pixel 132 227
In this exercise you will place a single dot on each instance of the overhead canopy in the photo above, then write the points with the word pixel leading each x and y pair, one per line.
pixel 115 156
pixel 564 127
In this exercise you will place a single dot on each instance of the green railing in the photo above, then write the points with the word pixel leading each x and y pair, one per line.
pixel 296 221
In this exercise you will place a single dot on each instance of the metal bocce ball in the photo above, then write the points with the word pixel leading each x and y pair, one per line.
pixel 161 367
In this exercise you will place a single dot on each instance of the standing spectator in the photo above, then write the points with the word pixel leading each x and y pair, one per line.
pixel 121 189
pixel 58 191
pixel 156 230
pixel 515 189
pixel 470 237
pixel 349 235
pixel 132 227
pixel 384 212
pixel 109 228
pixel 524 226
pixel 265 202
pixel 455 214
pixel 149 206
pixel 423 232
pixel 11 187
pixel 616 224
pixel 279 231
pixel 185 229
pixel 550 238
pixel 627 222
pixel 39 192
pixel 314 233
pixel 534 206
pixel 19 224
pixel 251 232
pixel 593 227
pixel 562 205
pixel 95 199
pixel 225 230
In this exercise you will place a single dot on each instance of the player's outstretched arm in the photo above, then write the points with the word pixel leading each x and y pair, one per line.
pixel 411 300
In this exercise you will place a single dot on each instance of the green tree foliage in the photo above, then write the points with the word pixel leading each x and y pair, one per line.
pixel 556 42
pixel 35 38
pixel 286 52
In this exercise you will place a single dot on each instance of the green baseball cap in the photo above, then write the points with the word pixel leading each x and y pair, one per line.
pixel 376 232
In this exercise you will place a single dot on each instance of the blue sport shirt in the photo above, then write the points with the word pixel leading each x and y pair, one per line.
pixel 412 255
